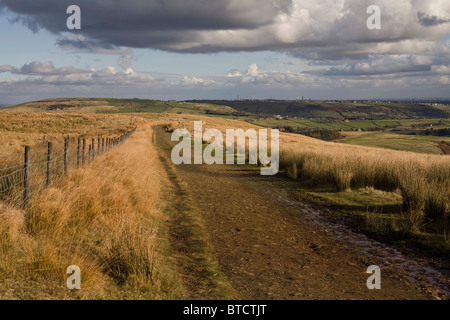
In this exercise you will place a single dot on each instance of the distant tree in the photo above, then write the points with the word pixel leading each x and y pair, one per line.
pixel 438 132
pixel 322 134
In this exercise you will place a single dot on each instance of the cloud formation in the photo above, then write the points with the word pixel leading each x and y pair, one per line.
pixel 431 21
pixel 37 72
pixel 379 65
pixel 328 27
pixel 38 80
pixel 410 50
pixel 39 68
pixel 80 44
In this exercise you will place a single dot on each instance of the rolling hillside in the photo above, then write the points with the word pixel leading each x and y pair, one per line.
pixel 339 110
pixel 319 110
pixel 109 106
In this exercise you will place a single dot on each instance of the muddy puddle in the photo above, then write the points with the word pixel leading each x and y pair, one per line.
pixel 417 271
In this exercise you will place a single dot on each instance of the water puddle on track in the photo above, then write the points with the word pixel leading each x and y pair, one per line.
pixel 418 271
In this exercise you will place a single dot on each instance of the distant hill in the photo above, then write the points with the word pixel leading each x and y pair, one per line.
pixel 91 105
pixel 106 105
pixel 338 110
pixel 316 110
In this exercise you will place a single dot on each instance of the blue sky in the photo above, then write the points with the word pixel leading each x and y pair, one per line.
pixel 224 48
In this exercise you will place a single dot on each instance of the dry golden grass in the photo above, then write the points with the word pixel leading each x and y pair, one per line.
pixel 423 180
pixel 18 129
pixel 171 127
pixel 107 218
pixel 104 219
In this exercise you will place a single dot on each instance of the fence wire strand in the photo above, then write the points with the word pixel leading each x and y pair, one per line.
pixel 20 181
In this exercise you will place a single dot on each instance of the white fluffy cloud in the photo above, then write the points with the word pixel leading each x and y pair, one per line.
pixel 110 82
pixel 45 73
pixel 41 68
pixel 389 64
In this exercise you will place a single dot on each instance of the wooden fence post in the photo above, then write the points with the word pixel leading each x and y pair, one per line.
pixel 66 148
pixel 93 149
pixel 49 159
pixel 78 153
pixel 103 145
pixel 83 155
pixel 26 178
pixel 98 146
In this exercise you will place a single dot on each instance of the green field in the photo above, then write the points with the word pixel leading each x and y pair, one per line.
pixel 136 105
pixel 389 134
pixel 421 144
pixel 372 125
pixel 199 109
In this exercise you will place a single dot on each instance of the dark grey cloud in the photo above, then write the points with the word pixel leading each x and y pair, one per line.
pixel 315 30
pixel 80 44
pixel 147 23
pixel 431 21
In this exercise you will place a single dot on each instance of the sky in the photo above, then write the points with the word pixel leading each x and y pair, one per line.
pixel 224 49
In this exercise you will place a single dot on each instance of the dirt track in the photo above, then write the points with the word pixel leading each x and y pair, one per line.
pixel 268 249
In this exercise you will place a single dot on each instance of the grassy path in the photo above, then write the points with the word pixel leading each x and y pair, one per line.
pixel 264 248
pixel 194 256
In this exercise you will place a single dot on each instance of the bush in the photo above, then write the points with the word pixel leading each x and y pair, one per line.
pixel 291 171
pixel 436 204
pixel 414 192
pixel 342 178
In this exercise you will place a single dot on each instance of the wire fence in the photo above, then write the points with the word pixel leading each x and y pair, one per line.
pixel 23 175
